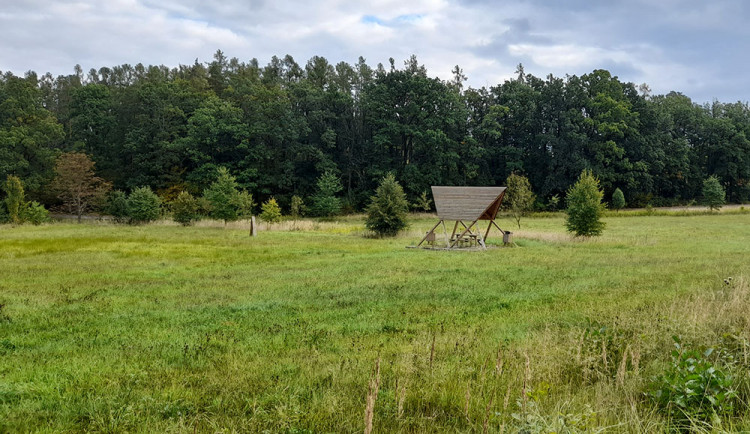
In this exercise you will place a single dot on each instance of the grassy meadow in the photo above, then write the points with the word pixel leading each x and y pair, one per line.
pixel 160 328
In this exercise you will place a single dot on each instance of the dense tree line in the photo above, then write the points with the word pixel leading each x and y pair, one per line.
pixel 279 128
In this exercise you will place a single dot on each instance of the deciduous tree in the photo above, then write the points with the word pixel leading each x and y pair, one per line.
pixel 76 183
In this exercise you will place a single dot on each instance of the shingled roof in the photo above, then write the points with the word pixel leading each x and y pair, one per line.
pixel 467 203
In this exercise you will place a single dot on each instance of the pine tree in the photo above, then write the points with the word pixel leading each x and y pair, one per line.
pixel 585 208
pixel 325 202
pixel 388 209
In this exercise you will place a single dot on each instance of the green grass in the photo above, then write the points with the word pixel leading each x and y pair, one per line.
pixel 164 328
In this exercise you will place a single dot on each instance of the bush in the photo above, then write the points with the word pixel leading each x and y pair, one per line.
pixel 35 213
pixel 185 208
pixel 618 199
pixel 692 388
pixel 325 202
pixel 143 205
pixel 271 212
pixel 297 207
pixel 117 206
pixel 388 209
pixel 14 199
pixel 585 208
pixel 518 199
pixel 713 193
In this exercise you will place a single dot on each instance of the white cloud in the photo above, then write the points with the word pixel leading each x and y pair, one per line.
pixel 673 44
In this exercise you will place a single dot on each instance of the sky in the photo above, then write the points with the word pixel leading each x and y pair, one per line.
pixel 696 47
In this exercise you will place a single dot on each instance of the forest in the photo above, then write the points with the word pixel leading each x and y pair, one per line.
pixel 278 128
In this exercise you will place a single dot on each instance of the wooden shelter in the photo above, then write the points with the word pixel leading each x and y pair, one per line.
pixel 465 205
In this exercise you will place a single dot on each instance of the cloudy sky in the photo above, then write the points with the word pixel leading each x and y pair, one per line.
pixel 697 47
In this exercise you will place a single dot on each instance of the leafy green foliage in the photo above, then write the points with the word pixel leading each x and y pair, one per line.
pixel 271 211
pixel 143 205
pixel 618 199
pixel 692 388
pixel 245 204
pixel 184 208
pixel 325 201
pixel 224 197
pixel 713 193
pixel 585 208
pixel 297 207
pixel 423 202
pixel 14 198
pixel 117 206
pixel 388 209
pixel 519 198
pixel 35 213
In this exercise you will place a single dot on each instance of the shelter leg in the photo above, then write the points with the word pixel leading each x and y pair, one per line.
pixel 486 234
pixel 453 234
pixel 445 232
pixel 428 233
pixel 498 227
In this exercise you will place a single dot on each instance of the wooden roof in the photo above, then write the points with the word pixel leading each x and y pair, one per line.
pixel 467 203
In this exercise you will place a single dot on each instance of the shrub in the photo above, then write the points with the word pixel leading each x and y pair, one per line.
pixel 325 202
pixel 585 206
pixel 297 207
pixel 388 209
pixel 184 208
pixel 519 199
pixel 117 206
pixel 692 388
pixel 14 199
pixel 143 205
pixel 554 203
pixel 713 193
pixel 271 211
pixel 35 213
pixel 618 199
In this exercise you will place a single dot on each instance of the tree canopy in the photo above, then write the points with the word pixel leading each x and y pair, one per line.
pixel 279 128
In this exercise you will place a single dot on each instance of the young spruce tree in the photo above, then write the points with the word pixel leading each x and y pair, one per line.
pixel 386 214
pixel 585 208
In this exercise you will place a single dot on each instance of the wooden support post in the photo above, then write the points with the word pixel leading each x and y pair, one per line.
pixel 445 232
pixel 429 232
pixel 486 234
pixel 453 234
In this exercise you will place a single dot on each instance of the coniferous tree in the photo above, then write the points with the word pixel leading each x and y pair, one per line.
pixel 585 208
pixel 325 202
pixel 388 209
